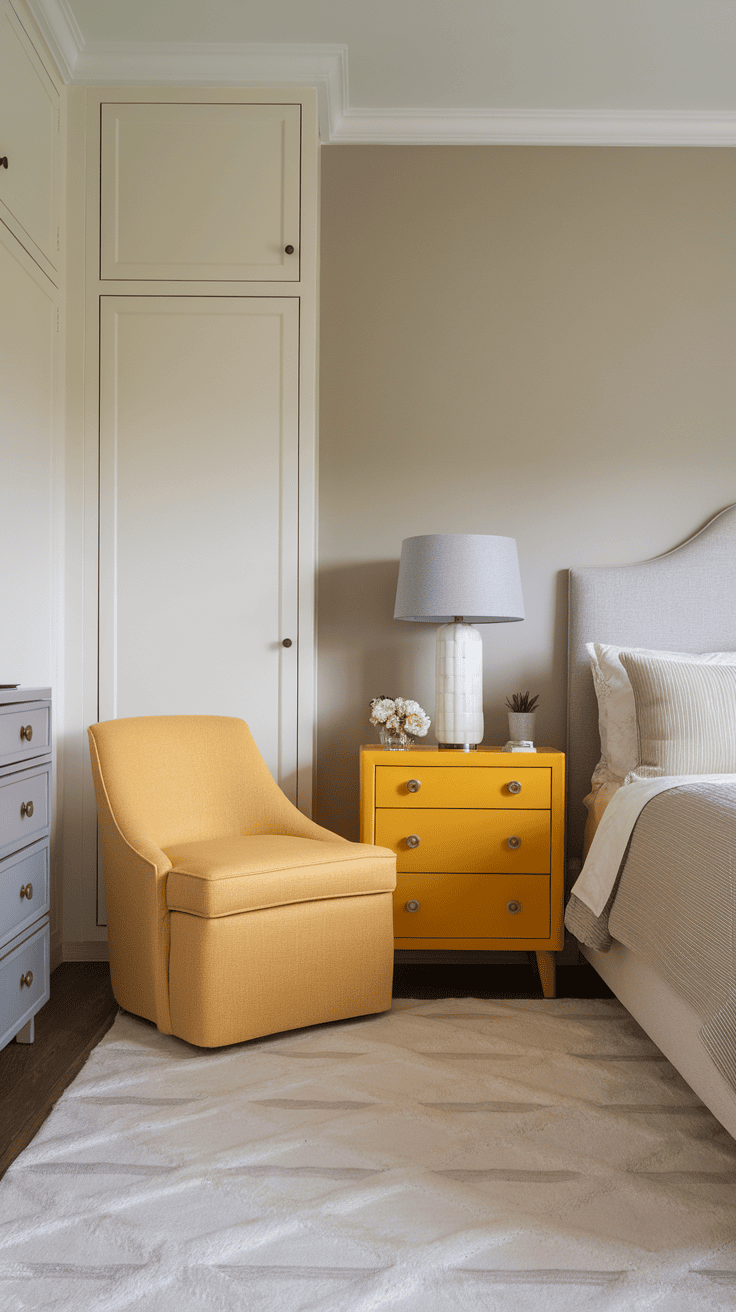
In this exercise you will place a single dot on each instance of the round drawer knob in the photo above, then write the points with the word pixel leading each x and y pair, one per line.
pixel 514 786
pixel 413 785
pixel 513 907
pixel 413 905
pixel 26 979
pixel 26 732
pixel 26 809
pixel 26 890
pixel 514 841
pixel 289 250
pixel 413 840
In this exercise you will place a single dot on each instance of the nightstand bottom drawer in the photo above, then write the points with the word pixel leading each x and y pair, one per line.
pixel 472 906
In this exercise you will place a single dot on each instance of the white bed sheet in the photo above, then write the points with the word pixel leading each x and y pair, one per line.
pixel 605 854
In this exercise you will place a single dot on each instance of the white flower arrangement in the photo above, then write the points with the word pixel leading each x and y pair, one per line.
pixel 399 715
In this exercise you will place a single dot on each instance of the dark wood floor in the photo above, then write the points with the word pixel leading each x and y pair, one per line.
pixel 81 1009
pixel 33 1075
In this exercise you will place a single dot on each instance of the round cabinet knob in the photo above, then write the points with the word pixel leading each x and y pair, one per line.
pixel 514 786
pixel 513 907
pixel 514 841
pixel 412 905
pixel 413 840
pixel 4 162
pixel 413 785
pixel 26 810
pixel 26 732
pixel 286 642
pixel 26 979
pixel 26 891
pixel 289 250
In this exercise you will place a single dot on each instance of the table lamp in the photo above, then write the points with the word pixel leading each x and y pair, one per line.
pixel 458 580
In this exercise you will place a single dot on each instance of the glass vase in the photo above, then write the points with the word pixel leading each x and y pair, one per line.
pixel 393 742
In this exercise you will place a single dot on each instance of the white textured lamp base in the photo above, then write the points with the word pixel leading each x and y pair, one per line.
pixel 459 686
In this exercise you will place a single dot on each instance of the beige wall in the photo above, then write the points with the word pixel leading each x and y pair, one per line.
pixel 529 341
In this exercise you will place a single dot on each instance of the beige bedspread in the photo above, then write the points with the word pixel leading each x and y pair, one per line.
pixel 674 904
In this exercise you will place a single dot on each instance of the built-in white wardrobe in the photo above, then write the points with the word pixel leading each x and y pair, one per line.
pixel 195 390
pixel 31 450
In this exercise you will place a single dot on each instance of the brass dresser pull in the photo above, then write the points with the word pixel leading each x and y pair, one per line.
pixel 26 890
pixel 413 785
pixel 514 907
pixel 514 786
pixel 26 979
pixel 26 732
pixel 514 842
pixel 26 809
pixel 413 905
pixel 413 840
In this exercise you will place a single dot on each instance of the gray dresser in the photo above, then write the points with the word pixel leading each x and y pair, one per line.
pixel 25 805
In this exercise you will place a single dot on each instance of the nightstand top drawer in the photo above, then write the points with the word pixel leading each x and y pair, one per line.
pixel 452 786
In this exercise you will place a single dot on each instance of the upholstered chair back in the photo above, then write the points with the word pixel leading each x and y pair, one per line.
pixel 177 779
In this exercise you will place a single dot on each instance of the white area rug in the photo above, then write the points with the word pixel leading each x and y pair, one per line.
pixel 458 1154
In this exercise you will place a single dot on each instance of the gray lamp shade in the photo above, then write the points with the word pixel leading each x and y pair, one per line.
pixel 472 575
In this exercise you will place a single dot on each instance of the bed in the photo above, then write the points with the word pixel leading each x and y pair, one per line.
pixel 684 601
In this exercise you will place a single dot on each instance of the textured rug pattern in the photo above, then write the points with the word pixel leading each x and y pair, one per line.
pixel 453 1154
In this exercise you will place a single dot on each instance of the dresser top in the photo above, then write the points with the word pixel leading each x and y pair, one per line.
pixel 11 696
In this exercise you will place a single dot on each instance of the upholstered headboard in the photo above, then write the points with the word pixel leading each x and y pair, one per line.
pixel 682 601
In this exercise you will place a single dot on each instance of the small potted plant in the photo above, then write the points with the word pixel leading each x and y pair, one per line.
pixel 521 717
pixel 397 719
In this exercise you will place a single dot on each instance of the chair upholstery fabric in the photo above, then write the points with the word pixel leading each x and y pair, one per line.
pixel 223 876
pixel 230 913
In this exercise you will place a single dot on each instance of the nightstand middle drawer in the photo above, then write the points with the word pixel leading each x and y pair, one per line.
pixel 499 841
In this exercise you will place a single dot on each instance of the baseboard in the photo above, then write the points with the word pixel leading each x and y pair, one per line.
pixel 97 950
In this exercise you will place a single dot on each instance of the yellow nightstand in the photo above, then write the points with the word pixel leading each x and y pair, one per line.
pixel 479 842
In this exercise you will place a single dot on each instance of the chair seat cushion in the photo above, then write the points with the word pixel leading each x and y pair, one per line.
pixel 225 876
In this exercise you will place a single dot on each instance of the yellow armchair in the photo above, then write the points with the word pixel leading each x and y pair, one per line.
pixel 230 913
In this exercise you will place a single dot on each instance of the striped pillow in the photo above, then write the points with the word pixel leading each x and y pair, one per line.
pixel 685 716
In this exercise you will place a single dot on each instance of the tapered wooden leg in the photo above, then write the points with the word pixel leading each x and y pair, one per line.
pixel 546 967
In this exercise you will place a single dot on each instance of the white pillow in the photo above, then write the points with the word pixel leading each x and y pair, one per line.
pixel 616 708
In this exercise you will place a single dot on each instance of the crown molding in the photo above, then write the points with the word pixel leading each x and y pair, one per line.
pixel 535 127
pixel 59 29
pixel 325 67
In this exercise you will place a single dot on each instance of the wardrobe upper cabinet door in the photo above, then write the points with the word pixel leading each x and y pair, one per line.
pixel 193 191
pixel 29 108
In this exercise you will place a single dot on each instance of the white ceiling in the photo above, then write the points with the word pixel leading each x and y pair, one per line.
pixel 424 70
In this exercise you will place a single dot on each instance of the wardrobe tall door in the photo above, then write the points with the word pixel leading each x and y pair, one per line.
pixel 198 513
pixel 28 304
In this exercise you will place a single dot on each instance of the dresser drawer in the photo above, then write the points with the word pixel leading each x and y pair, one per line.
pixel 25 732
pixel 453 840
pixel 458 786
pixel 472 906
pixel 28 962
pixel 24 889
pixel 24 808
